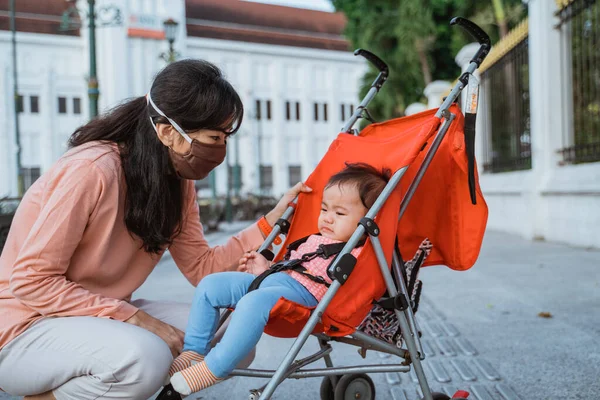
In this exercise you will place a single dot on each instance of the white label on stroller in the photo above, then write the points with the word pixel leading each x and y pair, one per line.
pixel 472 95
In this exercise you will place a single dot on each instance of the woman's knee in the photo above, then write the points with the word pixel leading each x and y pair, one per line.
pixel 146 363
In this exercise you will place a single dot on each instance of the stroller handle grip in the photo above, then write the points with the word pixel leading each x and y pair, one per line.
pixel 478 34
pixel 373 59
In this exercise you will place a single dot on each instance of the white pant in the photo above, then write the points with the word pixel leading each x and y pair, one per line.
pixel 81 358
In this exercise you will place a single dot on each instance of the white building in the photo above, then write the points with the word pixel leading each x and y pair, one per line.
pixel 294 71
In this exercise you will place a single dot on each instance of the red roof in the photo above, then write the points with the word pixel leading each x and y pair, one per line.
pixel 265 23
pixel 218 19
pixel 37 16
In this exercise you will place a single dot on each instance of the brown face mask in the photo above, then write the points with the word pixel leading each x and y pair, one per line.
pixel 202 158
pixel 197 163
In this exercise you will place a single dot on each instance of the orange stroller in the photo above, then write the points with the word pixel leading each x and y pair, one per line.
pixel 442 217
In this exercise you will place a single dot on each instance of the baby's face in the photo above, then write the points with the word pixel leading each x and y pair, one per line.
pixel 341 210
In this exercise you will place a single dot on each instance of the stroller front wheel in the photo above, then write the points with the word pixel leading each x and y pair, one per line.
pixel 354 387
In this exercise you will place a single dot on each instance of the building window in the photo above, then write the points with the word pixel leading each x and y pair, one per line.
pixel 343 111
pixel 266 177
pixel 289 110
pixel 257 109
pixel 76 105
pixel 324 111
pixel 316 111
pixel 295 174
pixel 62 105
pixel 30 175
pixel 351 109
pixel 269 109
pixel 19 104
pixel 34 104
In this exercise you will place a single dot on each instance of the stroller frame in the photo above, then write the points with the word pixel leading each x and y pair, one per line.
pixel 413 353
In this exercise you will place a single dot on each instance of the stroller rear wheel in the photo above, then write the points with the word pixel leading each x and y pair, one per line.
pixel 327 388
pixel 355 387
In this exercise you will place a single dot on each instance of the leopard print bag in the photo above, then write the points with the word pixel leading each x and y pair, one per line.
pixel 383 324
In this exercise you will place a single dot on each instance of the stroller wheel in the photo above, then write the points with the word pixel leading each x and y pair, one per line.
pixel 355 387
pixel 438 396
pixel 327 388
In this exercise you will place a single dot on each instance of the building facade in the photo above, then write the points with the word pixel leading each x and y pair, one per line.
pixel 292 67
pixel 538 143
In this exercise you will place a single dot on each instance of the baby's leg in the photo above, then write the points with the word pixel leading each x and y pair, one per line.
pixel 245 328
pixel 215 291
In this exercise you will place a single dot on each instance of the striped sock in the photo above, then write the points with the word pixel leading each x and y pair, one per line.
pixel 193 379
pixel 185 360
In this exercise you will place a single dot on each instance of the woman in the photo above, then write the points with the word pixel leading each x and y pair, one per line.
pixel 91 229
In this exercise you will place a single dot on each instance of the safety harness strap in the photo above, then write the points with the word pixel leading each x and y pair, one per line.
pixel 324 251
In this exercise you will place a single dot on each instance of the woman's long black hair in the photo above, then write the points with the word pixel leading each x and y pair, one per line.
pixel 193 93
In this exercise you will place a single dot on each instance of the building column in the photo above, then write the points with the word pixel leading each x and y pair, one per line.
pixel 546 94
pixel 8 181
pixel 48 135
pixel 279 145
pixel 112 59
pixel 306 125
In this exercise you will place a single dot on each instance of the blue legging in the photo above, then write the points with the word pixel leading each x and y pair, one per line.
pixel 247 323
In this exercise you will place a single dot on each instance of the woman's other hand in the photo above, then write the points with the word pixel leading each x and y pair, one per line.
pixel 253 263
pixel 280 208
pixel 171 335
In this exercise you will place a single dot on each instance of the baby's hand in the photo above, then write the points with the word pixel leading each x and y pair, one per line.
pixel 253 263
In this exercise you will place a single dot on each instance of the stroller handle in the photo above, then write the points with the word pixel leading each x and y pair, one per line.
pixel 478 34
pixel 373 59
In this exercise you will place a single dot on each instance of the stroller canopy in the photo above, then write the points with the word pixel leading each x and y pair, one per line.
pixel 440 210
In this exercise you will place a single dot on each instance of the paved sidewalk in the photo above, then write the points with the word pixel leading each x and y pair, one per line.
pixel 481 328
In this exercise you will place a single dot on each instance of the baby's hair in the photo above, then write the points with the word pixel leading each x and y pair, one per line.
pixel 368 180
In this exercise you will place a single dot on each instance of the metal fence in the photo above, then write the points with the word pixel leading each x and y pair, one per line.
pixel 579 22
pixel 507 140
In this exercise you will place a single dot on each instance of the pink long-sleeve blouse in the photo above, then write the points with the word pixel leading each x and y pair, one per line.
pixel 69 252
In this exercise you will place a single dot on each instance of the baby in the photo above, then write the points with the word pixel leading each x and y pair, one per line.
pixel 346 199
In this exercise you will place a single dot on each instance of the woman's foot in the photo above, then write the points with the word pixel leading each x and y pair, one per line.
pixel 185 360
pixel 193 379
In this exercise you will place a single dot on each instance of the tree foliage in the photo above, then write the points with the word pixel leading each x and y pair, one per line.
pixel 416 41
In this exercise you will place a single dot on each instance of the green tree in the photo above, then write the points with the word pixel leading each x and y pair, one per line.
pixel 416 41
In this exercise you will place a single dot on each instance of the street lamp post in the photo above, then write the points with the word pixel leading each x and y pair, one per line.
pixel 13 29
pixel 71 20
pixel 93 90
pixel 233 179
pixel 170 26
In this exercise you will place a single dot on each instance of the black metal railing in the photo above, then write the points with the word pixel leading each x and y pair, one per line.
pixel 580 25
pixel 507 113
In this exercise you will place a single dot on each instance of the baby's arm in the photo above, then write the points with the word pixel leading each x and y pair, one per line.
pixel 254 263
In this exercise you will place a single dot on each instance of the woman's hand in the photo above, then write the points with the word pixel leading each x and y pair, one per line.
pixel 171 335
pixel 280 208
pixel 253 263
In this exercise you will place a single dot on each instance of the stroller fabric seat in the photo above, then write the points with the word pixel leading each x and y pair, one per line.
pixel 440 210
